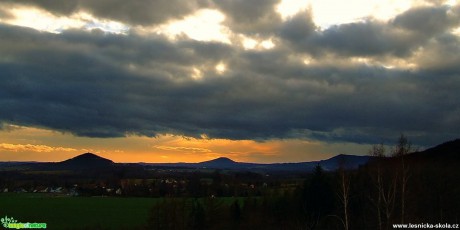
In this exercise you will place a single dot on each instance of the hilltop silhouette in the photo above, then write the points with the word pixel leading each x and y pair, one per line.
pixel 86 160
pixel 219 163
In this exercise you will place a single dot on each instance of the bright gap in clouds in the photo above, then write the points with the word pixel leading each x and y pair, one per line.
pixel 42 20
pixel 456 31
pixel 332 12
pixel 220 68
pixel 249 43
pixel 288 8
pixel 203 25
pixel 45 21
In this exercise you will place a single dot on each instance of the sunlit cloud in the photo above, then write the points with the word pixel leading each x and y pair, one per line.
pixel 196 74
pixel 183 149
pixel 33 148
pixel 108 26
pixel 45 21
pixel 331 12
pixel 288 8
pixel 42 20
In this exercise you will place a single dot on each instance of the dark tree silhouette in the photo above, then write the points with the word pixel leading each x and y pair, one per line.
pixel 318 197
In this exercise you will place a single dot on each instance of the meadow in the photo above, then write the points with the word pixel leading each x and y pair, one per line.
pixel 63 212
pixel 66 212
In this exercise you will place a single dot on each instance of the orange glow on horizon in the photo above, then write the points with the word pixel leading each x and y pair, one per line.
pixel 19 143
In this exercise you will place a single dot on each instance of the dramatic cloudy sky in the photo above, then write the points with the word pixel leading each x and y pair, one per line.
pixel 253 80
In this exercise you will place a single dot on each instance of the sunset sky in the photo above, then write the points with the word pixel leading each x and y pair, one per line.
pixel 252 80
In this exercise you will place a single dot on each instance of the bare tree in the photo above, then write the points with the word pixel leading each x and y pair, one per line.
pixel 402 148
pixel 385 181
pixel 388 199
pixel 378 152
pixel 344 193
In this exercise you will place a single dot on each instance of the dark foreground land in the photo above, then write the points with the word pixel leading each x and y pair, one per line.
pixel 393 187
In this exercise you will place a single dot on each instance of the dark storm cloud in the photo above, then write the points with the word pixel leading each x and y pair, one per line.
pixel 57 7
pixel 251 17
pixel 441 57
pixel 369 38
pixel 141 11
pixel 137 12
pixel 85 85
pixel 427 21
pixel 399 37
pixel 298 27
pixel 105 85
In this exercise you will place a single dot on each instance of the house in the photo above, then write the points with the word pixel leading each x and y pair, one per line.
pixel 21 190
pixel 73 192
pixel 57 190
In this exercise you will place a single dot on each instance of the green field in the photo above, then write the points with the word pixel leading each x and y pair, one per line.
pixel 77 212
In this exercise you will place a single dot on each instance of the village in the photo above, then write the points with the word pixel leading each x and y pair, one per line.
pixel 196 185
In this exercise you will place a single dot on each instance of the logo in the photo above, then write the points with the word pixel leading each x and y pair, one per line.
pixel 10 222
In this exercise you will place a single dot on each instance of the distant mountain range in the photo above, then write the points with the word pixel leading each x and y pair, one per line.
pixel 348 161
pixel 90 161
